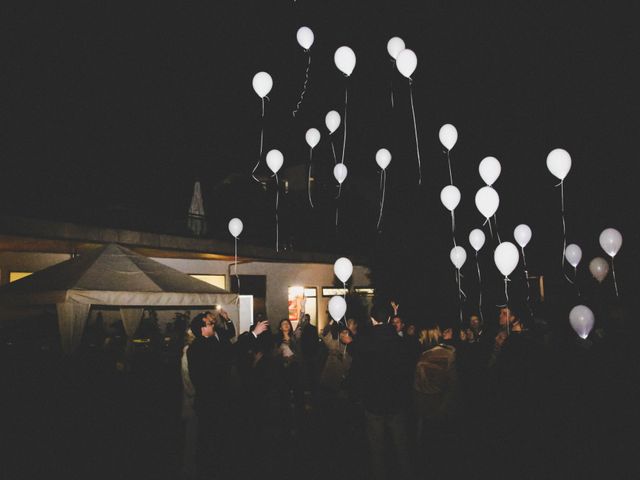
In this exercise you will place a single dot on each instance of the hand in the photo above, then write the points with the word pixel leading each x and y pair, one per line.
pixel 261 327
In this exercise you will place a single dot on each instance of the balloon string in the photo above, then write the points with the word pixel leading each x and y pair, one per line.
pixel 526 277
pixel 564 230
pixel 506 294
pixel 490 229
pixel 304 87
pixel 459 293
pixel 449 162
pixel 383 173
pixel 480 288
pixel 453 227
pixel 309 176
pixel 615 282
pixel 344 134
pixel 261 143
pixel 575 278
pixel 277 199
pixel 393 63
pixel 495 221
pixel 333 149
pixel 235 267
pixel 415 130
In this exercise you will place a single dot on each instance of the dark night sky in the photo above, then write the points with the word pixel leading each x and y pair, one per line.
pixel 111 105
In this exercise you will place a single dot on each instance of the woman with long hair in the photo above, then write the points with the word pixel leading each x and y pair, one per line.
pixel 287 364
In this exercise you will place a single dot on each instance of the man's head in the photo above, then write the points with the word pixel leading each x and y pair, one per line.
pixel 506 317
pixel 306 318
pixel 200 327
pixel 474 322
pixel 397 323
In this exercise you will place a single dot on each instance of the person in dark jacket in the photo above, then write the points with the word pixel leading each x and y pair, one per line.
pixel 382 364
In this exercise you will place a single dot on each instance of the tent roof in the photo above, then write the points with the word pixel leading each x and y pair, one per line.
pixel 112 275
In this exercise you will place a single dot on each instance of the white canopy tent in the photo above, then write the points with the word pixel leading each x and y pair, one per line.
pixel 111 275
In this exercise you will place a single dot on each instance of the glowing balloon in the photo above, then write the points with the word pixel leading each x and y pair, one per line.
pixel 312 137
pixel 345 60
pixel 559 163
pixel 458 256
pixel 476 239
pixel 340 172
pixel 337 307
pixel 406 61
pixel 450 197
pixel 581 319
pixel 506 257
pixel 305 37
pixel 573 254
pixel 262 84
pixel 394 46
pixel 235 227
pixel 383 158
pixel 343 268
pixel 611 241
pixel 522 234
pixel 448 136
pixel 275 159
pixel 487 201
pixel 489 169
pixel 599 268
pixel 332 121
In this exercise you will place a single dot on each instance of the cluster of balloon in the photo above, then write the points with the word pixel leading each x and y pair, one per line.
pixel 450 198
pixel 383 159
pixel 332 121
pixel 313 138
pixel 611 241
pixel 522 235
pixel 448 135
pixel 406 62
pixel 235 229
pixel 340 174
pixel 458 256
pixel 506 258
pixel 490 170
pixel 599 268
pixel 345 60
pixel 275 159
pixel 581 319
pixel 262 85
pixel 559 164
pixel 573 254
pixel 476 239
pixel 343 269
pixel 394 46
pixel 487 202
pixel 305 38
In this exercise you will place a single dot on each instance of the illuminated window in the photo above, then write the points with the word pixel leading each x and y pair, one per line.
pixel 215 280
pixel 332 291
pixel 364 291
pixel 13 276
pixel 303 300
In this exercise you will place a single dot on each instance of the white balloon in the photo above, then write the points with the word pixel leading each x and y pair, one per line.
pixel 487 201
pixel 489 169
pixel 448 136
pixel 611 241
pixel 383 158
pixel 312 137
pixel 262 84
pixel 476 239
pixel 332 121
pixel 458 256
pixel 394 46
pixel 275 159
pixel 406 61
pixel 345 60
pixel 522 234
pixel 599 268
pixel 340 172
pixel 305 37
pixel 235 227
pixel 573 254
pixel 581 319
pixel 450 197
pixel 506 257
pixel 343 268
pixel 337 307
pixel 559 162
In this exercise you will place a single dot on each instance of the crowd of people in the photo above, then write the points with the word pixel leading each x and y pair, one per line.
pixel 409 387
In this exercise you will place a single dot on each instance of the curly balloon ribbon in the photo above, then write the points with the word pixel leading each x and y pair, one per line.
pixel 415 130
pixel 506 293
pixel 526 276
pixel 383 180
pixel 277 199
pixel 480 288
pixel 449 163
pixel 309 176
pixel 461 293
pixel 564 229
pixel 261 143
pixel 304 87
pixel 615 282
